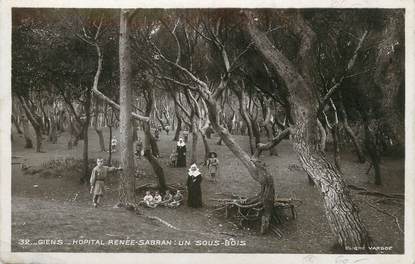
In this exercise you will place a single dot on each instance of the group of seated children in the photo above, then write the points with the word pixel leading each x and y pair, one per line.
pixel 168 200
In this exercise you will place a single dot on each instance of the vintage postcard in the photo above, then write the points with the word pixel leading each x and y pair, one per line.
pixel 226 131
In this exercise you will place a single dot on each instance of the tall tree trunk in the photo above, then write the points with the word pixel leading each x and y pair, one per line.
pixel 135 131
pixel 389 76
pixel 351 134
pixel 323 136
pixel 26 133
pixel 268 127
pixel 256 170
pixel 98 129
pixel 193 156
pixel 154 147
pixel 372 147
pixel 16 124
pixel 155 164
pixel 206 146
pixel 341 212
pixel 34 121
pixel 242 109
pixel 86 173
pixel 109 146
pixel 178 128
pixel 53 130
pixel 44 120
pixel 255 131
pixel 336 147
pixel 127 179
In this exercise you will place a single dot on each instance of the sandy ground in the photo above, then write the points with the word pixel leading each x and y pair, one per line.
pixel 59 208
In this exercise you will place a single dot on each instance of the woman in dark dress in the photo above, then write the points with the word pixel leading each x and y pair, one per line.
pixel 194 178
pixel 181 153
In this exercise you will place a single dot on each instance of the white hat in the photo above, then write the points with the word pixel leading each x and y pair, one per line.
pixel 194 170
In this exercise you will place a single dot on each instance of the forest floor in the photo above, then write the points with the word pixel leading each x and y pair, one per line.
pixel 58 207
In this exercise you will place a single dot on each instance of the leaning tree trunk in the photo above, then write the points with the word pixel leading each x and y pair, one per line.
pixel 342 214
pixel 178 128
pixel 255 130
pixel 373 148
pixel 35 124
pixel 336 147
pixel 193 156
pixel 53 130
pixel 206 146
pixel 323 136
pixel 26 133
pixel 154 147
pixel 268 126
pixel 349 130
pixel 127 177
pixel 154 162
pixel 256 170
pixel 241 97
pixel 16 124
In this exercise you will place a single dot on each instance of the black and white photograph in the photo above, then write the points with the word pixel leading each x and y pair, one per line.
pixel 260 130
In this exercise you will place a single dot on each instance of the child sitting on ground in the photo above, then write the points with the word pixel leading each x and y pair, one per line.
pixel 167 198
pixel 149 200
pixel 177 199
pixel 157 199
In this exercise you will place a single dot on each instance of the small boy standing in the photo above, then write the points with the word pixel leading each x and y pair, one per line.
pixel 213 165
pixel 98 176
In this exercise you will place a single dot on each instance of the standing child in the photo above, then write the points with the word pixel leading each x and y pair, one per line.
pixel 213 165
pixel 173 158
pixel 98 176
pixel 114 144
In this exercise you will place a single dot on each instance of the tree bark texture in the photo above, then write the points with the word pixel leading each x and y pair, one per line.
pixel 127 179
pixel 350 132
pixel 26 133
pixel 34 121
pixel 86 173
pixel 340 210
pixel 97 128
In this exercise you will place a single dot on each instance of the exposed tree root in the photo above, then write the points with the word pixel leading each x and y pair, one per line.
pixel 152 186
pixel 365 191
pixel 164 222
pixel 248 212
